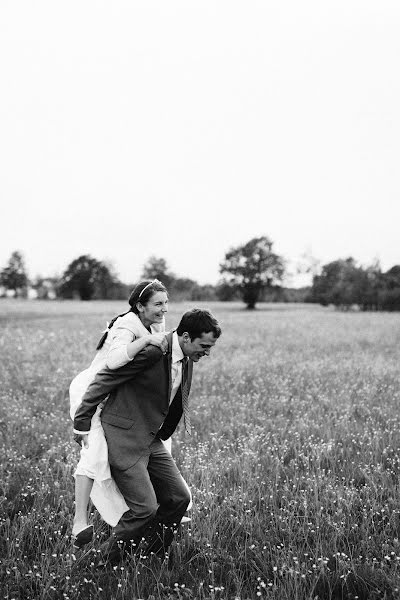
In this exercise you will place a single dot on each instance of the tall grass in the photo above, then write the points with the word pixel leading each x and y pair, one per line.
pixel 293 464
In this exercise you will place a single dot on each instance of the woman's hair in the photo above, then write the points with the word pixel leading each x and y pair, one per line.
pixel 142 293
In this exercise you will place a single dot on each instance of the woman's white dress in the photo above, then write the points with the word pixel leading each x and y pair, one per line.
pixel 93 461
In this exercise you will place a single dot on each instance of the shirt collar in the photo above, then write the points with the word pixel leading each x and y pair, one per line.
pixel 177 353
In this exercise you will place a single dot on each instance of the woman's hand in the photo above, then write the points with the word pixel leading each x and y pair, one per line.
pixel 159 340
pixel 82 439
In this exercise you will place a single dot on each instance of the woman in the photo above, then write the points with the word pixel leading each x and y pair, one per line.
pixel 127 334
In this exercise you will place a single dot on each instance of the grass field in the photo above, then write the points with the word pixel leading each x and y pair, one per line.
pixel 294 463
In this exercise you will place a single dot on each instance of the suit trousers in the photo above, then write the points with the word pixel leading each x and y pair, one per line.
pixel 155 492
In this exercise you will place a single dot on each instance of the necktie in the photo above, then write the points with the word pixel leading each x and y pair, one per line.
pixel 185 395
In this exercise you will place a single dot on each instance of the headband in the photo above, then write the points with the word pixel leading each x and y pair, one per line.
pixel 146 286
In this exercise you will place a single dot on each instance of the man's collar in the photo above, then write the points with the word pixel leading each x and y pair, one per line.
pixel 177 353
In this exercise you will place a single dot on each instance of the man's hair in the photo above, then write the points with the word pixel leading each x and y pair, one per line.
pixel 198 321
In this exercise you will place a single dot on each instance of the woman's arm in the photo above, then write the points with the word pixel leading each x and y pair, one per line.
pixel 124 346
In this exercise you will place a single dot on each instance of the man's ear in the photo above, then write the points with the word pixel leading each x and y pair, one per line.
pixel 186 337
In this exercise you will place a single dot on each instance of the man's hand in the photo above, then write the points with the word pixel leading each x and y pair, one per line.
pixel 82 439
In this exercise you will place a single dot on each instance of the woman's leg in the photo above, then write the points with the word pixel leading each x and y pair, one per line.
pixel 83 487
pixel 93 464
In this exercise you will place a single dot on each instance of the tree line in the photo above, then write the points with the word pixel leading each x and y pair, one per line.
pixel 87 278
pixel 345 285
pixel 251 272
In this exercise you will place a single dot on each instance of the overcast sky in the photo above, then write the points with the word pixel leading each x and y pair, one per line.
pixel 181 129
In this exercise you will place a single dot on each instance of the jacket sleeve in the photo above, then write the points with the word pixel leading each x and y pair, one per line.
pixel 106 381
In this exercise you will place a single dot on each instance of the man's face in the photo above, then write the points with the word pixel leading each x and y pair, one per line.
pixel 198 347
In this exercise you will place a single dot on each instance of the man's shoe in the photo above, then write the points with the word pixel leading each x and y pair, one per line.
pixel 83 537
pixel 110 554
pixel 159 541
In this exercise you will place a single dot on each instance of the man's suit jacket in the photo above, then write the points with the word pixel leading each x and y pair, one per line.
pixel 138 407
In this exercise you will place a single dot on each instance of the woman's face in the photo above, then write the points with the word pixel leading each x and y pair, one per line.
pixel 154 310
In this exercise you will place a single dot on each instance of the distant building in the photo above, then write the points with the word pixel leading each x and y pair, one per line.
pixel 5 293
pixel 31 293
pixel 46 289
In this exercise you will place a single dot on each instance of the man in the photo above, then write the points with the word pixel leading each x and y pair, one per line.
pixel 147 399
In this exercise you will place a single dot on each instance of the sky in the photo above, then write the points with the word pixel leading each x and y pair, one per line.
pixel 183 129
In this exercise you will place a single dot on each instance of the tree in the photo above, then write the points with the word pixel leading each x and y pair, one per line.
pixel 13 276
pixel 184 288
pixel 253 267
pixel 88 278
pixel 390 291
pixel 337 284
pixel 226 292
pixel 157 268
pixel 344 284
pixel 371 285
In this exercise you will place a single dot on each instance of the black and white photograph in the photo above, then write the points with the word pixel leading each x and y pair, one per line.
pixel 200 300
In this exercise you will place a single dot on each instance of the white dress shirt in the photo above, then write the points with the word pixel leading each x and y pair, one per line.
pixel 176 366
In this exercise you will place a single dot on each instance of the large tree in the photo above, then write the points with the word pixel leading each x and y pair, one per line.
pixel 88 278
pixel 252 267
pixel 13 276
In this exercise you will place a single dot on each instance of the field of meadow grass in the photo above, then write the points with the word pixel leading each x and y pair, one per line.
pixel 293 465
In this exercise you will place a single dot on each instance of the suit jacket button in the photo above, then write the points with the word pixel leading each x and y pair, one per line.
pixel 152 433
